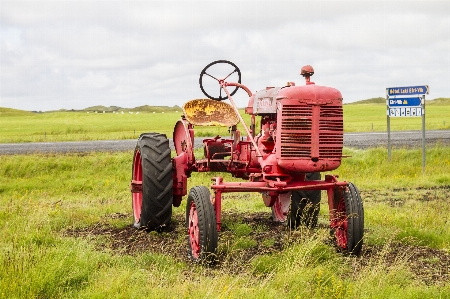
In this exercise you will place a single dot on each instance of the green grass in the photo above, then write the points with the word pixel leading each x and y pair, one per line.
pixel 403 171
pixel 22 126
pixel 44 196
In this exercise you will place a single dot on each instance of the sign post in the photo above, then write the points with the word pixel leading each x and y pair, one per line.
pixel 401 103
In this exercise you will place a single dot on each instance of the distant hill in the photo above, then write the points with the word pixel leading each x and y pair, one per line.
pixel 439 102
pixel 10 111
pixel 99 108
pixel 102 108
pixel 145 108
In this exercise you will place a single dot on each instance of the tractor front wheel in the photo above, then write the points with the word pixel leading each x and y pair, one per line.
pixel 201 226
pixel 347 225
pixel 152 165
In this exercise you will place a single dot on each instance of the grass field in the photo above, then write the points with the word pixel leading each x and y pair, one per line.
pixel 65 231
pixel 66 223
pixel 21 126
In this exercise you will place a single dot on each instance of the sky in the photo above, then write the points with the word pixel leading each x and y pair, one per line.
pixel 77 54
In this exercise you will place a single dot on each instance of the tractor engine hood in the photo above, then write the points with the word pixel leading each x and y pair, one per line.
pixel 311 94
pixel 265 101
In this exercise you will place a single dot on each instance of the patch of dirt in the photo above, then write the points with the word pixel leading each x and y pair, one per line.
pixel 397 197
pixel 429 265
pixel 173 241
pixel 130 241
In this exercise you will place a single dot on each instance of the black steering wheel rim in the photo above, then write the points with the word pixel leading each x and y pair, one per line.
pixel 203 73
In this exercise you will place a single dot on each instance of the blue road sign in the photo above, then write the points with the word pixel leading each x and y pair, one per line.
pixel 408 90
pixel 404 102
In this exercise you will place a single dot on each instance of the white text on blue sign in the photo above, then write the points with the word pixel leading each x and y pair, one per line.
pixel 404 102
pixel 409 90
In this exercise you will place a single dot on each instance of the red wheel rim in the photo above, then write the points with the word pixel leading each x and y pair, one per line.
pixel 193 231
pixel 137 197
pixel 183 141
pixel 341 224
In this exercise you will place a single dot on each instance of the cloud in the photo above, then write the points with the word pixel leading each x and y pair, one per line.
pixel 75 54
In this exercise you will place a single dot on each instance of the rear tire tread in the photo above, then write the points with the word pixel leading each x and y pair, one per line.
pixel 157 181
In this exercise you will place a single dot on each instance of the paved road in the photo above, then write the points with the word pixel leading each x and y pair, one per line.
pixel 355 140
pixel 398 139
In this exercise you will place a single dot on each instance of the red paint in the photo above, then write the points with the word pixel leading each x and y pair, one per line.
pixel 136 187
pixel 194 231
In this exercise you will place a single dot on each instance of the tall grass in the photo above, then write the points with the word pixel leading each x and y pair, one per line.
pixel 43 196
pixel 404 170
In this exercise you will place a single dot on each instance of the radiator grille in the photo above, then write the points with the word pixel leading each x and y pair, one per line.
pixel 331 111
pixel 292 124
pixel 297 127
pixel 330 152
pixel 297 110
pixel 296 131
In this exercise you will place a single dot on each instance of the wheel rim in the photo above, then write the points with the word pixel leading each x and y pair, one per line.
pixel 341 224
pixel 137 197
pixel 193 231
pixel 182 141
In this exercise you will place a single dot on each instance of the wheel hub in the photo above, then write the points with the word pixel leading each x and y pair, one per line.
pixel 341 225
pixel 193 231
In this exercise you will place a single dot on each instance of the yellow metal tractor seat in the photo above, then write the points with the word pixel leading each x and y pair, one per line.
pixel 206 112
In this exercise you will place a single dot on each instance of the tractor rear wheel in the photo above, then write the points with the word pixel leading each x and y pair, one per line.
pixel 305 205
pixel 152 165
pixel 201 226
pixel 347 227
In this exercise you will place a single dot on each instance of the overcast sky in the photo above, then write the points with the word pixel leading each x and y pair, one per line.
pixel 75 54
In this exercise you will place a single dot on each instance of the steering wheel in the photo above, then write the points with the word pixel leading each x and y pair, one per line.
pixel 204 73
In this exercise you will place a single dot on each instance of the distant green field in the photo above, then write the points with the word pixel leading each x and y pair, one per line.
pixel 23 126
pixel 372 117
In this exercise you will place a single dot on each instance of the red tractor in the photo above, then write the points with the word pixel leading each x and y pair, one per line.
pixel 297 135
